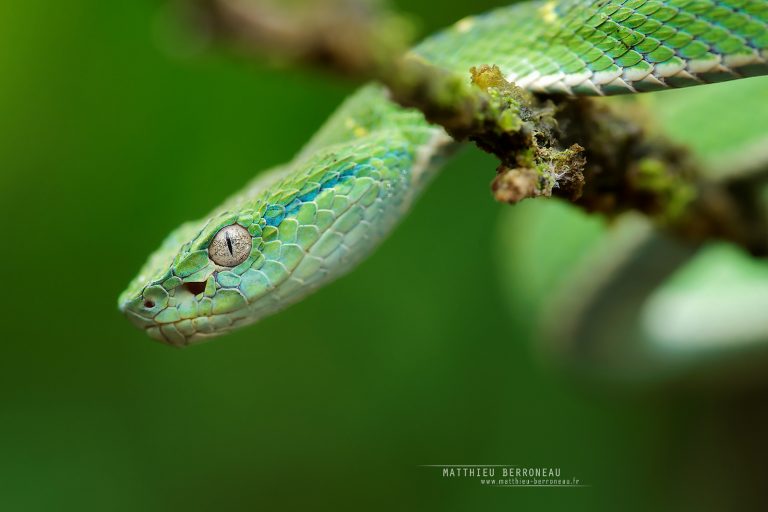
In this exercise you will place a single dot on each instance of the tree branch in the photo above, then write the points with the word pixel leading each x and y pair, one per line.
pixel 577 149
pixel 351 37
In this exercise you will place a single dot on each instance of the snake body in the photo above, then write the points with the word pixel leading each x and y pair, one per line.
pixel 313 219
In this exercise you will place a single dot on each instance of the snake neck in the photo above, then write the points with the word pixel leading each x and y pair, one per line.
pixel 369 115
pixel 357 130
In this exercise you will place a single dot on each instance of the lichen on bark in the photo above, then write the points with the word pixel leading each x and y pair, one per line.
pixel 500 118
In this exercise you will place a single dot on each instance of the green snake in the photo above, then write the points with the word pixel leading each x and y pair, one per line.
pixel 299 226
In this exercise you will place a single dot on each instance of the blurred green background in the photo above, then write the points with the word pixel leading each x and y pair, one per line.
pixel 113 132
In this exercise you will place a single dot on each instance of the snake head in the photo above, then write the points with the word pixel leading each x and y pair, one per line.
pixel 261 254
pixel 208 278
pixel 189 289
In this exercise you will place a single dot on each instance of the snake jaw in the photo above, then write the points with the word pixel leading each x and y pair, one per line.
pixel 170 319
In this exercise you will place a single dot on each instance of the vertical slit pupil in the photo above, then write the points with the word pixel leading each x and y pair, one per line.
pixel 229 245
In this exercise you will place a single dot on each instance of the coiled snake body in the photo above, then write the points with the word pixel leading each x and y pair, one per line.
pixel 298 227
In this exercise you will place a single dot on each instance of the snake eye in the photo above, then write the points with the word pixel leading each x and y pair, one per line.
pixel 231 246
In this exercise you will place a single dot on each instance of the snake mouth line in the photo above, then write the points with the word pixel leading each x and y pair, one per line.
pixel 155 330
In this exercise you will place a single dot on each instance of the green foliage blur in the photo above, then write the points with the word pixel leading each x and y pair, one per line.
pixel 115 128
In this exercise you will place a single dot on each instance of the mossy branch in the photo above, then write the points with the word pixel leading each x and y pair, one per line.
pixel 577 149
pixel 583 151
pixel 499 117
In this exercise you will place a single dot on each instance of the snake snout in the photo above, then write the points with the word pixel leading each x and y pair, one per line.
pixel 139 311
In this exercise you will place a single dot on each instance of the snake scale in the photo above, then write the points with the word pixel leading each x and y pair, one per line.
pixel 301 225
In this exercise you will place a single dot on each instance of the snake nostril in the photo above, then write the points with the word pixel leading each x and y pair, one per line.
pixel 149 304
